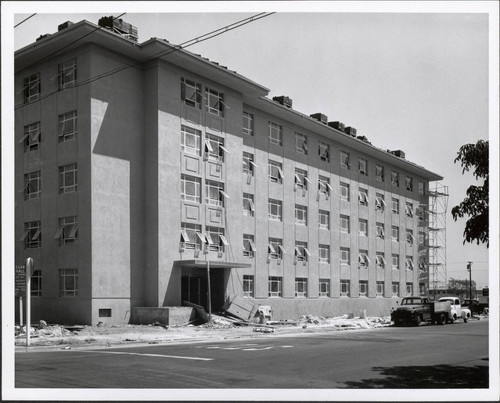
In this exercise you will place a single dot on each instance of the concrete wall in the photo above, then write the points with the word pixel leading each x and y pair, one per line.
pixel 171 316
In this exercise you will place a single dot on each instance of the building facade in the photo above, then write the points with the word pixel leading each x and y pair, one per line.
pixel 138 167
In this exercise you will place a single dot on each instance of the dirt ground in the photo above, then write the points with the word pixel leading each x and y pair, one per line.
pixel 219 328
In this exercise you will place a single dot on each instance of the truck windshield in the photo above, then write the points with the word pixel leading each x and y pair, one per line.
pixel 411 301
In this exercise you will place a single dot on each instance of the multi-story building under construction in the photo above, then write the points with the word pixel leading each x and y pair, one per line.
pixel 139 165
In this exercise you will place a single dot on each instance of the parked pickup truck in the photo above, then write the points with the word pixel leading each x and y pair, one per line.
pixel 457 311
pixel 415 310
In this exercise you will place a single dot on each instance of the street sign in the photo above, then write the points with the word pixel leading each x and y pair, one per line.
pixel 20 280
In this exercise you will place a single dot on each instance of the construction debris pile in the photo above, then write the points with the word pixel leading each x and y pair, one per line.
pixel 345 322
pixel 218 322
pixel 47 331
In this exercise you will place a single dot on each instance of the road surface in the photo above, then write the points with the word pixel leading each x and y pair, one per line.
pixel 451 356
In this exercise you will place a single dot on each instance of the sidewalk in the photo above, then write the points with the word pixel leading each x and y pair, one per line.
pixel 58 337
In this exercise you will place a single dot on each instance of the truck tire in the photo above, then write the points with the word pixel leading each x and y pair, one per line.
pixel 465 318
pixel 442 319
pixel 419 320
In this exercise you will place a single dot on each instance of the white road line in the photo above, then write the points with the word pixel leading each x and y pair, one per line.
pixel 152 355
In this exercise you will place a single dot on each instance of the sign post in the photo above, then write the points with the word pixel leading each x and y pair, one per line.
pixel 20 285
pixel 29 272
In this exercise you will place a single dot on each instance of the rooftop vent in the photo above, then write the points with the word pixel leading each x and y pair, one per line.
pixel 364 138
pixel 350 131
pixel 319 116
pixel 42 37
pixel 120 27
pixel 398 153
pixel 283 100
pixel 337 125
pixel 64 25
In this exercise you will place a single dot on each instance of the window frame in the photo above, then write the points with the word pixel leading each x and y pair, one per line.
pixel 214 193
pixel 191 236
pixel 196 182
pixel 409 289
pixel 409 265
pixel 380 230
pixel 67 232
pixel 248 286
pixel 395 178
pixel 32 188
pixel 300 215
pixel 275 133
pixel 363 197
pixel 324 151
pixel 379 292
pixel 216 240
pixel 32 136
pixel 70 273
pixel 68 172
pixel 275 204
pixel 250 212
pixel 301 179
pixel 32 88
pixel 395 205
pixel 189 132
pixel 214 102
pixel 379 173
pixel 324 288
pixel 395 259
pixel 248 245
pixel 380 203
pixel 345 252
pixel 275 248
pixel 275 171
pixel 363 166
pixel 302 253
pixel 363 284
pixel 395 289
pixel 324 186
pixel 278 281
pixel 395 233
pixel 301 143
pixel 345 288
pixel 345 159
pixel 345 219
pixel 322 216
pixel 196 93
pixel 67 73
pixel 324 253
pixel 248 163
pixel 63 134
pixel 248 124
pixel 32 235
pixel 380 262
pixel 36 283
pixel 409 183
pixel 345 189
pixel 363 259
pixel 363 227
pixel 300 287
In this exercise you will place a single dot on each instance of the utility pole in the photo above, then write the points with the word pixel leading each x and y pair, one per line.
pixel 469 269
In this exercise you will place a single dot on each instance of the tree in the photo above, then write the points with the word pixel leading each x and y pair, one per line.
pixel 475 204
pixel 460 287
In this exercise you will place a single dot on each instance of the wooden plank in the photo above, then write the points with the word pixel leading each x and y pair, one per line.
pixel 199 310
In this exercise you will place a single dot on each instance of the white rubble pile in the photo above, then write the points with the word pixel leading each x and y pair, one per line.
pixel 344 322
pixel 218 322
pixel 47 331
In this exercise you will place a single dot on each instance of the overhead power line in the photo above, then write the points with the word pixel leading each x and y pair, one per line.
pixel 26 19
pixel 176 48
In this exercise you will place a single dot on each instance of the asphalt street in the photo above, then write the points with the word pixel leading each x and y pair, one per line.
pixel 451 356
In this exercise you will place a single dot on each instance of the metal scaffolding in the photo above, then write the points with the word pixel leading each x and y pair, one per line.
pixel 438 208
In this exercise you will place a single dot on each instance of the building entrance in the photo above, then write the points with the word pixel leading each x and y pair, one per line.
pixel 194 289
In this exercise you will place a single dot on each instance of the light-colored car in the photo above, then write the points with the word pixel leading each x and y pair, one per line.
pixel 457 311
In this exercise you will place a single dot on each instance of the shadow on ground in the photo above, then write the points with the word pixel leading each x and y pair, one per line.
pixel 426 377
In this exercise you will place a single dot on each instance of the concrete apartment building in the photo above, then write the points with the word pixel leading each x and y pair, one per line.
pixel 136 164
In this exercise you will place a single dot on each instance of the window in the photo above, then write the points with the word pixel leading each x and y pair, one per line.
pixel 300 215
pixel 275 248
pixel 409 183
pixel 248 245
pixel 215 102
pixel 422 265
pixel 215 239
pixel 363 197
pixel 380 202
pixel 32 236
pixel 344 224
pixel 421 238
pixel 32 88
pixel 363 227
pixel 395 289
pixel 68 178
pixel 214 148
pixel 31 137
pixel 67 74
pixel 324 219
pixel 324 287
pixel 105 313
pixel 363 260
pixel 380 260
pixel 344 191
pixel 67 126
pixel 324 152
pixel 380 230
pixel 363 167
pixel 68 282
pixel 379 173
pixel 301 251
pixel 32 185
pixel 420 212
pixel 67 233
pixel 191 236
pixel 190 140
pixel 409 209
pixel 409 289
pixel 409 263
pixel 191 93
pixel 248 205
pixel 421 188
pixel 345 288
pixel 395 206
pixel 190 188
pixel 345 160
pixel 275 171
pixel 395 178
pixel 301 180
pixel 275 209
pixel 247 124
pixel 275 286
pixel 36 283
pixel 345 256
pixel 409 237
pixel 363 288
pixel 324 185
pixel 248 286
pixel 421 289
pixel 215 194
pixel 248 164
pixel 324 253
pixel 395 262
pixel 395 233
pixel 380 288
pixel 301 143
pixel 301 287
pixel 275 134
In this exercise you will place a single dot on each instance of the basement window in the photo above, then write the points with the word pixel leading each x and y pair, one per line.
pixel 105 313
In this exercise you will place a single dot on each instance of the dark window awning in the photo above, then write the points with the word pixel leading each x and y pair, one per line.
pixel 214 264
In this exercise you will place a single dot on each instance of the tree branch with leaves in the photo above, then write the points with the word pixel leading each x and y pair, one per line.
pixel 475 205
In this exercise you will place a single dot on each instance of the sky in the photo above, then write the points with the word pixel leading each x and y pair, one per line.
pixel 415 81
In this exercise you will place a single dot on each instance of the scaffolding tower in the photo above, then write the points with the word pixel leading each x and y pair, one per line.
pixel 438 208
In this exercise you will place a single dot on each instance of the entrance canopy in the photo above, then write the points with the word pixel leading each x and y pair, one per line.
pixel 214 264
